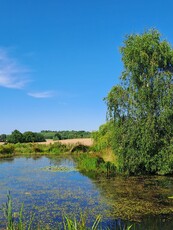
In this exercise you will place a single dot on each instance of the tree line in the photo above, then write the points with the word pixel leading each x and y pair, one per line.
pixel 66 134
pixel 17 137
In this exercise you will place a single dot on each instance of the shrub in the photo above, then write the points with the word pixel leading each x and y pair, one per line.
pixel 7 149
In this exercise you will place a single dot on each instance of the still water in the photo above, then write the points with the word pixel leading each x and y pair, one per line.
pixel 52 187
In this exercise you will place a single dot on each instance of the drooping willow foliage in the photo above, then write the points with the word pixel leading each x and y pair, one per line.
pixel 141 107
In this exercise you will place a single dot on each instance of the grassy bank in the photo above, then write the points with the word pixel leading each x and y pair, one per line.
pixel 93 163
pixel 87 159
pixel 30 149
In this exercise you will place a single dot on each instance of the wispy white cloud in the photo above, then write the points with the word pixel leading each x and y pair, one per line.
pixel 15 76
pixel 43 94
pixel 12 74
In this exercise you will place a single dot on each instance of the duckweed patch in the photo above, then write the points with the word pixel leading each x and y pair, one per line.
pixel 49 195
pixel 59 169
pixel 132 198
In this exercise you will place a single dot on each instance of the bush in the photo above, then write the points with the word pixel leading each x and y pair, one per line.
pixel 7 149
pixel 87 163
pixel 3 137
pixel 57 148
pixel 15 137
pixel 103 137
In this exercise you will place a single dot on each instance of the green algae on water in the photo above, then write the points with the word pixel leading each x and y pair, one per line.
pixel 59 169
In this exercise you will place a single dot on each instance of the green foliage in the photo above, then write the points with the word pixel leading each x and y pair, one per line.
pixel 40 149
pixel 24 148
pixel 37 148
pixel 57 148
pixel 33 149
pixel 3 137
pixel 17 137
pixel 103 137
pixel 7 149
pixel 57 136
pixel 62 135
pixel 91 163
pixel 73 224
pixel 7 208
pixel 141 107
pixel 26 137
pixel 86 162
pixel 32 137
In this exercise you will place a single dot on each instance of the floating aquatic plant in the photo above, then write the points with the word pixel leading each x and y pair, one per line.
pixel 67 223
pixel 59 169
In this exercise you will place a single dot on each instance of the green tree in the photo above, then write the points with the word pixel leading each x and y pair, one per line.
pixel 29 136
pixel 103 137
pixel 32 137
pixel 39 137
pixel 57 136
pixel 141 107
pixel 3 137
pixel 15 137
pixel 18 137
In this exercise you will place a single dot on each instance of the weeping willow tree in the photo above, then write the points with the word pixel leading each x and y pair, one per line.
pixel 141 107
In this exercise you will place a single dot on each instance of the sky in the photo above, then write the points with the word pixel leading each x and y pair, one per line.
pixel 60 58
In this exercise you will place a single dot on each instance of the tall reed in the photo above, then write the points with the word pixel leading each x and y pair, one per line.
pixel 9 215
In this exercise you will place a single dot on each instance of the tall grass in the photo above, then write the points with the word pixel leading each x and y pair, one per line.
pixel 89 162
pixel 9 215
pixel 30 149
pixel 74 224
pixel 7 149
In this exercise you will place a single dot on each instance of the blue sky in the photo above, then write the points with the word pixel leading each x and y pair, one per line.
pixel 60 58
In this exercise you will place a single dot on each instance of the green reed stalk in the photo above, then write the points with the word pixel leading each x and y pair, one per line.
pixel 7 209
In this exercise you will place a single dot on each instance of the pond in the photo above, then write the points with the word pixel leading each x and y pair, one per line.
pixel 53 187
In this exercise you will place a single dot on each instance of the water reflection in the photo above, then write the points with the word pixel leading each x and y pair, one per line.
pixel 9 159
pixel 143 200
pixel 132 198
pixel 49 194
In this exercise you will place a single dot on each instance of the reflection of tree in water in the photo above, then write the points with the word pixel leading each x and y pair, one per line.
pixel 36 157
pixel 9 159
pixel 61 161
pixel 133 198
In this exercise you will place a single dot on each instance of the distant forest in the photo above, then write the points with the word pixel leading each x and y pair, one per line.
pixel 62 135
pixel 18 137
